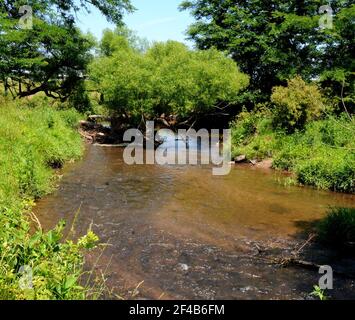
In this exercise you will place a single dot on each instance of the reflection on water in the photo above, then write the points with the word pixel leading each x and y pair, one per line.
pixel 180 228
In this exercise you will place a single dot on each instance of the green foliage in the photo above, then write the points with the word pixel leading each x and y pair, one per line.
pixel 319 293
pixel 80 99
pixel 322 155
pixel 273 41
pixel 252 135
pixel 34 137
pixel 337 174
pixel 52 55
pixel 168 78
pixel 296 104
pixel 31 141
pixel 56 264
pixel 338 228
pixel 88 241
pixel 338 76
pixel 121 38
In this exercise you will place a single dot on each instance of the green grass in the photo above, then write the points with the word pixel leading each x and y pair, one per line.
pixel 34 137
pixel 31 141
pixel 322 155
pixel 338 228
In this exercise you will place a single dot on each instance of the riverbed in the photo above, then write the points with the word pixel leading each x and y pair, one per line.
pixel 178 232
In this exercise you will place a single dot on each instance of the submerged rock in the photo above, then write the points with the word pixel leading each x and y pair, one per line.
pixel 184 267
pixel 241 158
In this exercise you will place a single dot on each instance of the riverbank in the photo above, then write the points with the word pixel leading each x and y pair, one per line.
pixel 36 139
pixel 322 155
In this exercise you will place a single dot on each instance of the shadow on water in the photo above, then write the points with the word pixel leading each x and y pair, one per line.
pixel 187 233
pixel 317 254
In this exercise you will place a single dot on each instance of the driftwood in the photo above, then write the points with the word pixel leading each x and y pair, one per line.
pixel 95 118
pixel 88 125
pixel 88 136
pixel 95 132
pixel 314 267
pixel 295 261
pixel 118 145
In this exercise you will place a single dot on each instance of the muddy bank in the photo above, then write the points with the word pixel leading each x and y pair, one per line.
pixel 188 234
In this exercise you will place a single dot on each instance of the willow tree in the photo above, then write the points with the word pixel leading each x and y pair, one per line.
pixel 47 52
pixel 169 78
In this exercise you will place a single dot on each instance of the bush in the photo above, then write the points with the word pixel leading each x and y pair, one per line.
pixel 338 228
pixel 252 135
pixel 244 127
pixel 296 104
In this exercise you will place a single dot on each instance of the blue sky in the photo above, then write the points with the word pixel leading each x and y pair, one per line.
pixel 156 20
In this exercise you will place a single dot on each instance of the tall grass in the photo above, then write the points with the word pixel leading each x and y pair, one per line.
pixel 338 228
pixel 35 137
pixel 32 140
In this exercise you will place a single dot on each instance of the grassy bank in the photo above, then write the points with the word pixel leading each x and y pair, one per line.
pixel 337 229
pixel 321 155
pixel 34 139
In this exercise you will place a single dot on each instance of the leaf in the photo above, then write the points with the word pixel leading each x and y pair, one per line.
pixel 70 282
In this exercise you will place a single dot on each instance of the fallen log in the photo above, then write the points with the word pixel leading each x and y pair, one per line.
pixel 294 259
pixel 88 125
pixel 87 136
pixel 95 118
pixel 119 145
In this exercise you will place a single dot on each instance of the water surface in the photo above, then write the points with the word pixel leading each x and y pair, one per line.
pixel 187 233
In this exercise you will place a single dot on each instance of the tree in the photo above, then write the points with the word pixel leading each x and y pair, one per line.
pixel 274 40
pixel 52 55
pixel 338 64
pixel 112 40
pixel 167 79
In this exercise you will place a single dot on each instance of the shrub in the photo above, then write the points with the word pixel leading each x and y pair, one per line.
pixel 338 227
pixel 296 104
pixel 323 155
pixel 244 127
pixel 252 134
pixel 290 151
